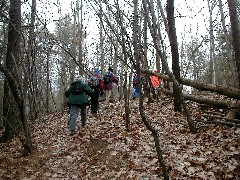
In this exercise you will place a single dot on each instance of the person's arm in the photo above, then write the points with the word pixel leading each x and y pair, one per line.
pixel 68 92
pixel 88 90
pixel 114 79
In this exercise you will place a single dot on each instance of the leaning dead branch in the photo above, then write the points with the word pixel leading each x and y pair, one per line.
pixel 219 122
pixel 236 121
pixel 155 134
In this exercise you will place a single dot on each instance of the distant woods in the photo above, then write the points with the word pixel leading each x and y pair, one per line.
pixel 38 62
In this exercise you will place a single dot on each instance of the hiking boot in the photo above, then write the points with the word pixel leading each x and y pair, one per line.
pixel 95 115
pixel 72 132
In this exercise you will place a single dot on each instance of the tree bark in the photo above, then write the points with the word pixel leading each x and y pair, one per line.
pixel 10 113
pixel 175 56
pixel 213 64
pixel 14 110
pixel 230 61
pixel 17 95
pixel 235 26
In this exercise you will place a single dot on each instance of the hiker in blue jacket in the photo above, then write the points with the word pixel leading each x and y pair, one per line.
pixel 77 95
pixel 135 86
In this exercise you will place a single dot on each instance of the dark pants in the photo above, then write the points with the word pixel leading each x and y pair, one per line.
pixel 74 111
pixel 95 103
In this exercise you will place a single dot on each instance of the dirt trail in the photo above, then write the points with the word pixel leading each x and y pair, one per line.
pixel 104 150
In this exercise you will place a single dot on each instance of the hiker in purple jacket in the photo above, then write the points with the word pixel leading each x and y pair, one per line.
pixel 108 79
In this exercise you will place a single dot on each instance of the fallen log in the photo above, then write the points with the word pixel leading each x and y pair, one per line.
pixel 233 104
pixel 220 122
pixel 236 121
pixel 230 92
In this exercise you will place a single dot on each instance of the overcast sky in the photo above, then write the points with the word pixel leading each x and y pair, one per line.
pixel 185 19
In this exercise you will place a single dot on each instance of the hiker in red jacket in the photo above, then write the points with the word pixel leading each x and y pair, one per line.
pixel 108 79
pixel 155 81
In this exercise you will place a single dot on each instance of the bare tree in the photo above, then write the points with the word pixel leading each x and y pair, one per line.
pixel 230 60
pixel 213 64
pixel 235 26
pixel 14 109
pixel 175 54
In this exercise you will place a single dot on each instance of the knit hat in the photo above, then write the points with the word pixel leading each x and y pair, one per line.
pixel 97 72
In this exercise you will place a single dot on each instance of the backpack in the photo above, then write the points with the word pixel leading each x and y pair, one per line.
pixel 78 88
pixel 106 78
pixel 94 82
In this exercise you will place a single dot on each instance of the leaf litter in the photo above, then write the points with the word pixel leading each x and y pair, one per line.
pixel 105 150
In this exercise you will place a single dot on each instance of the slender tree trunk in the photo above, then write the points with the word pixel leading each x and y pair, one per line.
pixel 174 50
pixel 163 15
pixel 213 64
pixel 30 75
pixel 230 60
pixel 235 26
pixel 80 35
pixel 101 40
pixel 126 99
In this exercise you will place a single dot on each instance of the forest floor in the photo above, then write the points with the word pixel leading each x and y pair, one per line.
pixel 105 150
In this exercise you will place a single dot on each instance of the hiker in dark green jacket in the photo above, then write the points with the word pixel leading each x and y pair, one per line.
pixel 77 95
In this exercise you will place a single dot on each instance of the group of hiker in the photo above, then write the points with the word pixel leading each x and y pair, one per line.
pixel 155 83
pixel 79 91
pixel 96 86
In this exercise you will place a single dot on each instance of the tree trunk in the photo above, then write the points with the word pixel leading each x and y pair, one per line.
pixel 231 62
pixel 101 50
pixel 213 65
pixel 10 113
pixel 159 4
pixel 126 101
pixel 235 26
pixel 80 35
pixel 14 110
pixel 175 55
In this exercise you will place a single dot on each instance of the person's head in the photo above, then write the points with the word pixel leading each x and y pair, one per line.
pixel 110 69
pixel 154 71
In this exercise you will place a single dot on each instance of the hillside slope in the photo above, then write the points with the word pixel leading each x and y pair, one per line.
pixel 104 150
